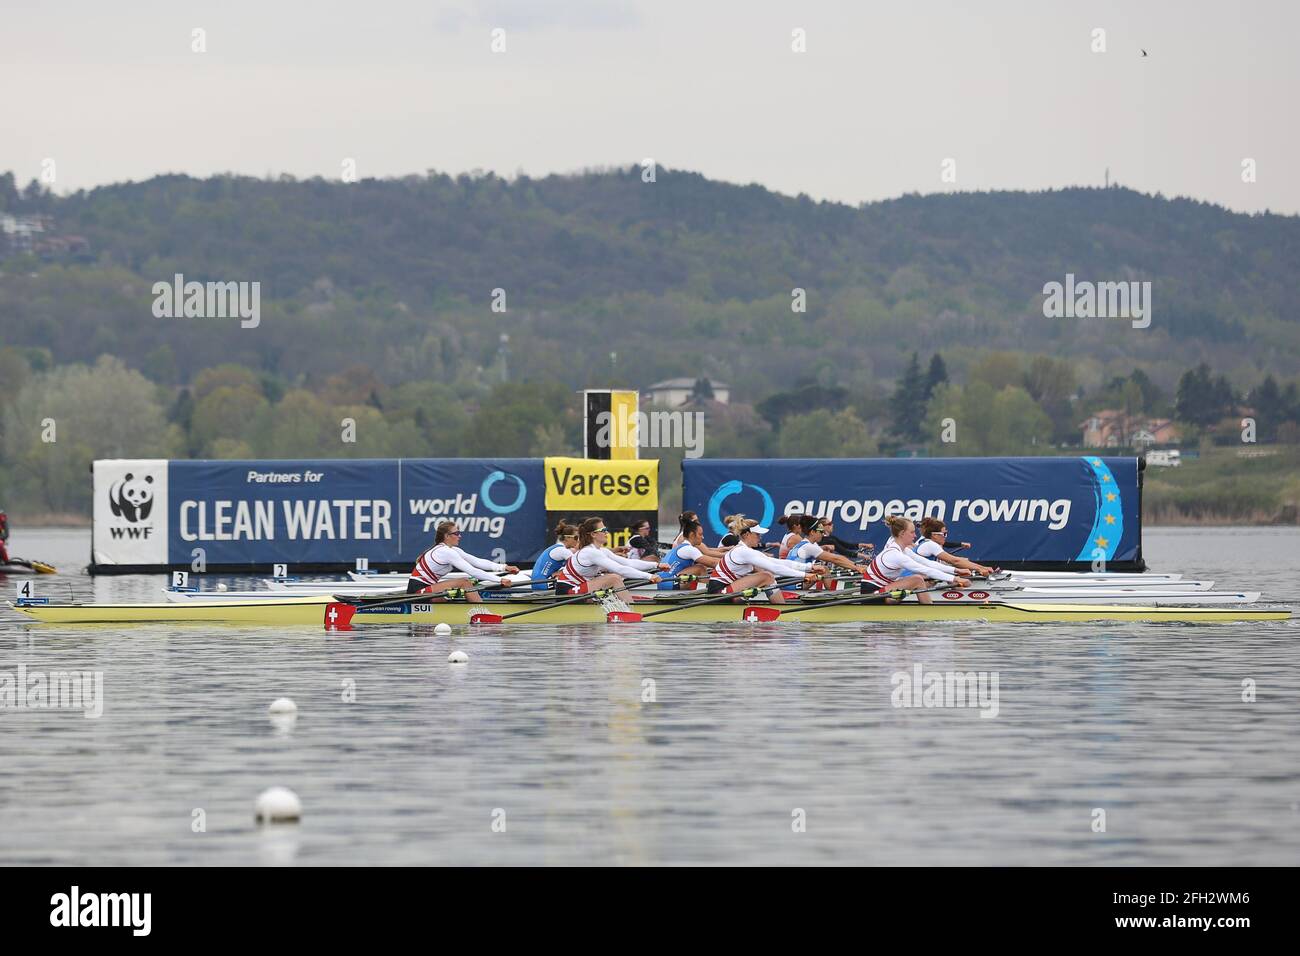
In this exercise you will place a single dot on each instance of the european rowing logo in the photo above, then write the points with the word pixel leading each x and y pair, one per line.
pixel 1108 521
pixel 733 487
pixel 485 492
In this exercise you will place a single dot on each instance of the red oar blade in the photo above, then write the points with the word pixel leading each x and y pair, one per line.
pixel 338 616
pixel 485 617
pixel 759 615
pixel 622 617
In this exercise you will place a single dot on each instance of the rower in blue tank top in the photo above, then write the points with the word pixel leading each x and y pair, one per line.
pixel 544 568
pixel 932 543
pixel 688 556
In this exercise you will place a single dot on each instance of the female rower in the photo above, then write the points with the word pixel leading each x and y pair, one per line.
pixel 431 569
pixel 684 521
pixel 544 568
pixel 592 566
pixel 639 544
pixel 897 567
pixel 691 557
pixel 810 548
pixel 794 537
pixel 744 566
pixel 928 547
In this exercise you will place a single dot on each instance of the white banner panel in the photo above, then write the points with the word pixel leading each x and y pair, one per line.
pixel 130 511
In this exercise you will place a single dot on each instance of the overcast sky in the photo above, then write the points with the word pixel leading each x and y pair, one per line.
pixel 883 95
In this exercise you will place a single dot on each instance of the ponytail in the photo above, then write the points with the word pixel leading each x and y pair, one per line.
pixel 587 529
pixel 897 524
pixel 738 524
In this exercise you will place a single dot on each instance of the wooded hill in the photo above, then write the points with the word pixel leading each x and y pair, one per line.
pixel 682 276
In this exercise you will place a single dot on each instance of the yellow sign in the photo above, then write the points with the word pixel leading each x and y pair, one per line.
pixel 623 418
pixel 588 484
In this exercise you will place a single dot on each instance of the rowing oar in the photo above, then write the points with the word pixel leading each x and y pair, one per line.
pixel 755 614
pixel 338 613
pixel 632 617
pixel 486 617
pixel 40 567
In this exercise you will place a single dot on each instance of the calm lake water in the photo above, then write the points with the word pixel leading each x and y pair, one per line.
pixel 753 730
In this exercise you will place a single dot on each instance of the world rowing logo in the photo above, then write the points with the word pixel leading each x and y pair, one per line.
pixel 733 487
pixel 485 492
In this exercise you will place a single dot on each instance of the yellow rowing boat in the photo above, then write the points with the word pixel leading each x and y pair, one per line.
pixel 311 610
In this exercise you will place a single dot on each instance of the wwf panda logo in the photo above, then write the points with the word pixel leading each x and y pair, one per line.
pixel 131 498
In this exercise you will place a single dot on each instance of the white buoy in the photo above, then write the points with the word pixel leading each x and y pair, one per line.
pixel 221 586
pixel 283 705
pixel 457 657
pixel 278 805
pixel 443 629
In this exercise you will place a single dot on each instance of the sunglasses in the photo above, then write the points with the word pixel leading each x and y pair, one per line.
pixel 456 533
pixel 601 531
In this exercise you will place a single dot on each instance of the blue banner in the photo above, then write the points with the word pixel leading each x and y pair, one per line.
pixel 335 511
pixel 1058 511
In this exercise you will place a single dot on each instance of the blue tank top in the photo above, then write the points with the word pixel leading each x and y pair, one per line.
pixel 544 567
pixel 676 564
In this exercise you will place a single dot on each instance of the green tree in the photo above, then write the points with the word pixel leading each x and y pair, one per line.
pixel 64 419
pixel 907 405
pixel 984 422
pixel 825 434
pixel 998 370
pixel 1202 399
pixel 936 375
pixel 233 412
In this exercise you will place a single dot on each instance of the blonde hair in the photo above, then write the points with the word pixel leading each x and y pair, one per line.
pixel 441 532
pixel 897 524
pixel 739 524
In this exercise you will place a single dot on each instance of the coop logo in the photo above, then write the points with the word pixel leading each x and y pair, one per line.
pixel 733 487
pixel 485 492
pixel 131 498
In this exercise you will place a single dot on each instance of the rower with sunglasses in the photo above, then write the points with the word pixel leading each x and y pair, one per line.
pixel 744 566
pixel 431 569
pixel 548 565
pixel 932 541
pixel 810 547
pixel 592 566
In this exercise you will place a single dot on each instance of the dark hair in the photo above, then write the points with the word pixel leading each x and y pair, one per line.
pixel 587 529
pixel 564 529
pixel 931 524
pixel 690 527
pixel 443 528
